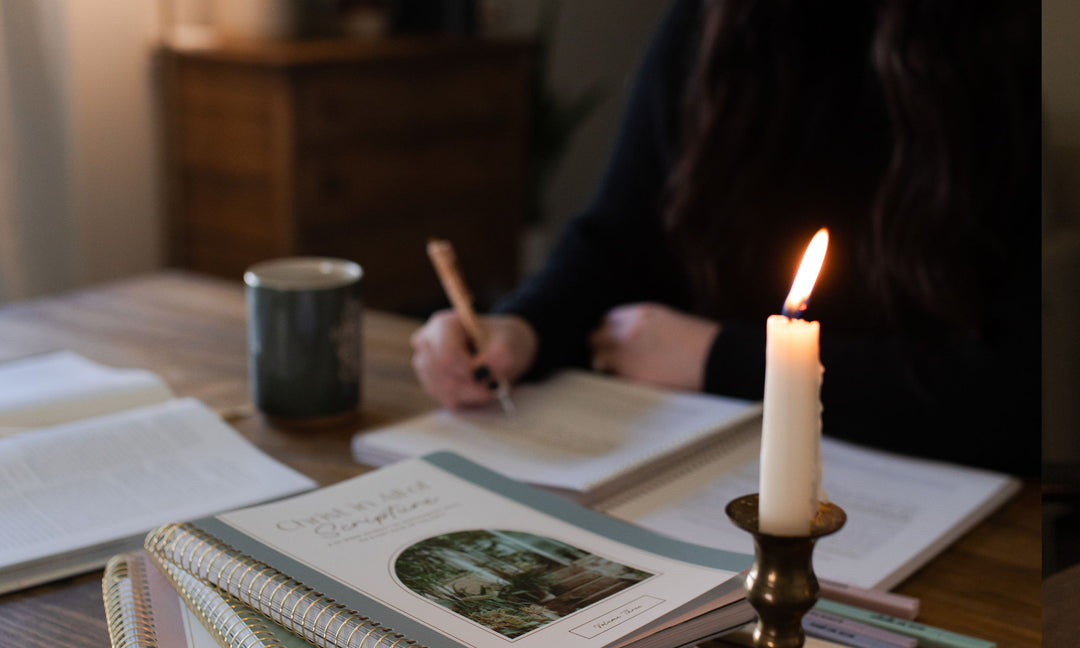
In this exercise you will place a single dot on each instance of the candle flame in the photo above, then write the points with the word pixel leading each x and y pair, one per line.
pixel 807 274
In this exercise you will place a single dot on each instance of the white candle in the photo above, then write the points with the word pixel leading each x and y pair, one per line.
pixel 791 420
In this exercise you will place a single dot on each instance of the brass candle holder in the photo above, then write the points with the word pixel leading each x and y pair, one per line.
pixel 781 585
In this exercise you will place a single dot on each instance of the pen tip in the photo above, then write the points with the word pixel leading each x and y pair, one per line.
pixel 503 394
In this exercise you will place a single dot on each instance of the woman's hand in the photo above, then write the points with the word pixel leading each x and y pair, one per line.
pixel 655 344
pixel 450 372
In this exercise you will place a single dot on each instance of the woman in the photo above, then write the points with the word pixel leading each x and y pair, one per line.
pixel 909 128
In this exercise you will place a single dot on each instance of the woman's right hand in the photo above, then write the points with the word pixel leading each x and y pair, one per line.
pixel 456 377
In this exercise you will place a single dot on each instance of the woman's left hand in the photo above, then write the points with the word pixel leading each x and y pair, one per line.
pixel 654 343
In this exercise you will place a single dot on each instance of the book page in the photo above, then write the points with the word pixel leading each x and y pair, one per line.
pixel 58 387
pixel 900 511
pixel 479 567
pixel 572 431
pixel 80 484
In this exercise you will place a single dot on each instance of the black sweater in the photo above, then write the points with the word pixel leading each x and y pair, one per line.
pixel 969 399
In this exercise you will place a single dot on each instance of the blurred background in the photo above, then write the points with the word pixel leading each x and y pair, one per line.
pixel 208 134
pixel 1061 285
pixel 96 125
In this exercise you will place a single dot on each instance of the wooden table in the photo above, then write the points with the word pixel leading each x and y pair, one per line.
pixel 190 330
pixel 1061 622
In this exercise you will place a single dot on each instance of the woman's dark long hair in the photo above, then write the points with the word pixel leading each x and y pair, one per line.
pixel 959 84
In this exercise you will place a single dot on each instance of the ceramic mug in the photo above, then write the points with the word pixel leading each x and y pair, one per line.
pixel 304 336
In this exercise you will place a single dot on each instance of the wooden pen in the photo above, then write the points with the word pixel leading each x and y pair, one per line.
pixel 443 258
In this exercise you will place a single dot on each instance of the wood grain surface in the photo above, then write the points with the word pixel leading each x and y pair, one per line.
pixel 1061 618
pixel 190 330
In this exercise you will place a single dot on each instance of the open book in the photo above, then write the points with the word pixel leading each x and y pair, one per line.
pixel 583 434
pixel 63 386
pixel 901 511
pixel 672 461
pixel 75 493
pixel 438 551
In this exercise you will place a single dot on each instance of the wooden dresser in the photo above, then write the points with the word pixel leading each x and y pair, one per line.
pixel 358 149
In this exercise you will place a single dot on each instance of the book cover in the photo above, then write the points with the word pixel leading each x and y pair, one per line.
pixel 446 553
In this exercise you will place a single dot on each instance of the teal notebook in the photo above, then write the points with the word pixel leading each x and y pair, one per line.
pixel 438 551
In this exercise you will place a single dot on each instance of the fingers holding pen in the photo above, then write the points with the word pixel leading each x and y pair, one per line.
pixel 511 347
pixel 458 375
pixel 482 375
pixel 444 364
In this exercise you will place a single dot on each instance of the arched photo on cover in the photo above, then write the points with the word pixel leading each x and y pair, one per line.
pixel 511 582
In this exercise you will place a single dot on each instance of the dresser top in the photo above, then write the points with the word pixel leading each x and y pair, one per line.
pixel 343 50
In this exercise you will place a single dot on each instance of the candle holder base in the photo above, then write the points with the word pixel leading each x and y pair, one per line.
pixel 781 585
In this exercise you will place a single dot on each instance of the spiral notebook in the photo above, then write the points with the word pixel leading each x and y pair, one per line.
pixel 438 551
pixel 151 605
pixel 582 434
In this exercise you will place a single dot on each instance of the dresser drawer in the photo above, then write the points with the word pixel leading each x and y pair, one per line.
pixel 406 99
pixel 404 177
pixel 362 150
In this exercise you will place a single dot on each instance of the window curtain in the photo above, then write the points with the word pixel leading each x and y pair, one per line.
pixel 34 238
pixel 79 171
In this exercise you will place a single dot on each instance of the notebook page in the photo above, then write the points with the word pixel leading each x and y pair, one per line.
pixel 901 511
pixel 571 431
pixel 108 478
pixel 63 386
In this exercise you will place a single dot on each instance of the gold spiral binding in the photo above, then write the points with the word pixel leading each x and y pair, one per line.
pixel 270 601
pixel 315 623
pixel 291 619
pixel 230 622
pixel 303 619
pixel 337 636
pixel 262 572
pixel 128 614
pixel 365 638
pixel 206 558
pixel 228 579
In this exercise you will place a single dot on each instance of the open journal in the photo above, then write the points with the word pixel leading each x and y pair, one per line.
pixel 440 552
pixel 580 433
pixel 901 512
pixel 75 493
pixel 671 461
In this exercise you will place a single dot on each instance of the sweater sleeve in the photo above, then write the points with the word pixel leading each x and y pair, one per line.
pixel 973 400
pixel 613 252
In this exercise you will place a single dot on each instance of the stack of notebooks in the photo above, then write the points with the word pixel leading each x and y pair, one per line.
pixel 454 547
pixel 434 551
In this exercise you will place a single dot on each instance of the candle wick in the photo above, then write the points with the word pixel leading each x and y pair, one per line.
pixel 791 312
